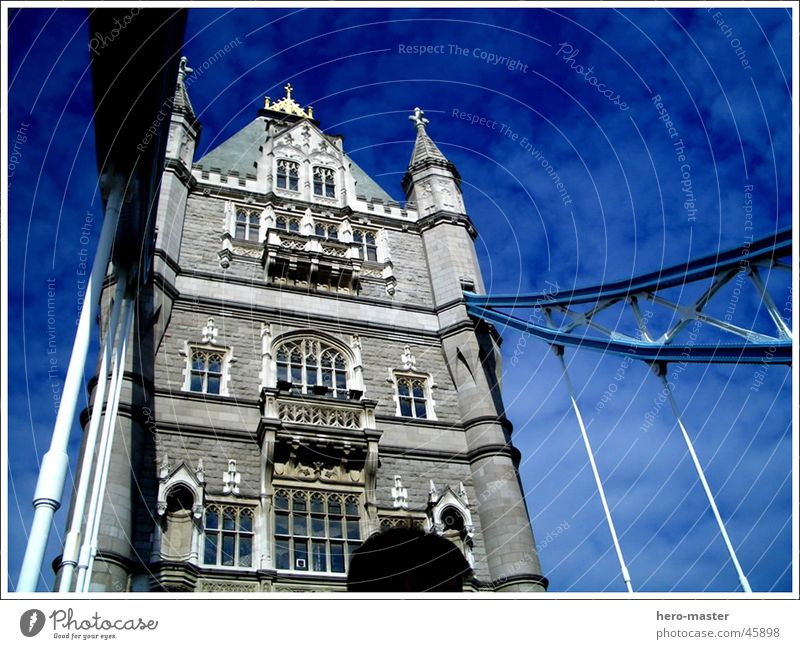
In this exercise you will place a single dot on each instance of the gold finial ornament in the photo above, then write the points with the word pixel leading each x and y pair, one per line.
pixel 288 105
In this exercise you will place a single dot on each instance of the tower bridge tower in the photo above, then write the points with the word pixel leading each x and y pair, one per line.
pixel 306 375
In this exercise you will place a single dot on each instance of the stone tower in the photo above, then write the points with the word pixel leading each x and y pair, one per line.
pixel 307 374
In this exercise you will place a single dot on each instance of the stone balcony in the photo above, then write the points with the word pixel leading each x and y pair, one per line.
pixel 313 438
pixel 324 416
pixel 311 261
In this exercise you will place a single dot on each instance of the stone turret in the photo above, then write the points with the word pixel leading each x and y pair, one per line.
pixel 472 354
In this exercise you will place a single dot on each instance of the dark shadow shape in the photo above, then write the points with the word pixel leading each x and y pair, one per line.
pixel 406 560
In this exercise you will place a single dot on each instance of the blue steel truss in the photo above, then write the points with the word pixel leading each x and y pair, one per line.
pixel 721 268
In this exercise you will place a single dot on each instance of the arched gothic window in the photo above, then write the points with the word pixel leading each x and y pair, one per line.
pixel 287 224
pixel 326 231
pixel 367 244
pixel 412 397
pixel 324 184
pixel 247 225
pixel 312 366
pixel 206 371
pixel 288 175
pixel 228 535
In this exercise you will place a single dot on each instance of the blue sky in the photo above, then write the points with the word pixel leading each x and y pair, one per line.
pixel 629 205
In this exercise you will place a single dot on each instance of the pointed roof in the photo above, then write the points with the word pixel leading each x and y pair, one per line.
pixel 424 148
pixel 242 151
pixel 180 102
pixel 238 153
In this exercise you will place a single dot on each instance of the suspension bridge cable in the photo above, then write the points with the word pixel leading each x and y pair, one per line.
pixel 661 372
pixel 88 548
pixel 69 559
pixel 559 351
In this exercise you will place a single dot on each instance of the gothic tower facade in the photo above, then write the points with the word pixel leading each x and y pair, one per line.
pixel 305 375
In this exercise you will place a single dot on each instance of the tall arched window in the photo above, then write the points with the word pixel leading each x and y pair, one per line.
pixel 247 225
pixel 367 244
pixel 228 536
pixel 206 371
pixel 324 184
pixel 312 366
pixel 287 176
pixel 411 393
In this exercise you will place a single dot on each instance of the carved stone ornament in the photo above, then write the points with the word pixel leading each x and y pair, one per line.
pixel 210 332
pixel 231 479
pixel 409 362
pixel 399 494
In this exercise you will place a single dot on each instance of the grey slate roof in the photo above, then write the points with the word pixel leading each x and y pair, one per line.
pixel 240 152
pixel 365 186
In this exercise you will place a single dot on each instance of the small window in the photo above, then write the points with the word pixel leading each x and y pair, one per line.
pixel 228 533
pixel 326 231
pixel 367 244
pixel 316 531
pixel 288 177
pixel 287 224
pixel 323 182
pixel 247 225
pixel 206 371
pixel 412 397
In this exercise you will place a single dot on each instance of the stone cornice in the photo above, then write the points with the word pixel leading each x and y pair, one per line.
pixel 452 218
pixel 183 173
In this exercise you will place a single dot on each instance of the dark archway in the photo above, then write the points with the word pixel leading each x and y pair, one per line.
pixel 177 526
pixel 406 560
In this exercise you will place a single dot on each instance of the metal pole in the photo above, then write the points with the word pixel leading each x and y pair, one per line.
pixel 89 546
pixel 571 389
pixel 661 371
pixel 55 463
pixel 69 558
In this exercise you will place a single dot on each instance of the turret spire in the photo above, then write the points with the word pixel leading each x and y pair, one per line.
pixel 424 147
pixel 180 102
